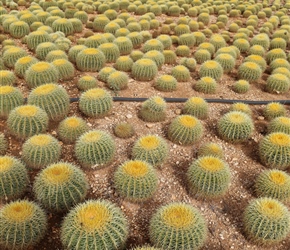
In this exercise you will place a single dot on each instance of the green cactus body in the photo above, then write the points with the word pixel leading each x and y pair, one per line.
pixel 282 70
pixel 65 69
pixel 278 43
pixel 274 150
pixel 10 97
pixel 273 110
pixel 27 120
pixel 41 73
pixel 124 44
pixel 153 44
pixel 183 50
pixel 95 149
pixel 206 85
pixel 279 124
pixel 22 224
pixel 249 71
pixel 266 221
pixel 74 51
pixel 99 23
pixel 52 98
pixel 169 57
pixel 273 184
pixel 124 63
pixel 235 127
pixel 178 226
pixel 189 63
pixel 153 109
pixel 136 39
pixel 196 106
pixel 96 224
pixel 105 73
pixel 96 102
pixel 150 148
pixel 7 78
pixel 11 55
pixel 41 150
pixel 166 83
pixel 22 64
pixel 277 83
pixel 209 47
pixel 241 86
pixel 13 178
pixel 37 37
pixel 60 186
pixel 118 80
pixel 124 130
pixel 180 73
pixel 64 25
pixel 144 70
pixel 3 144
pixel 202 55
pixel 136 180
pixel 209 177
pixel 77 25
pixel 90 59
pixel 242 107
pixel 187 39
pixel 275 54
pixel 262 40
pixel 226 61
pixel 242 44
pixel 111 51
pixel 211 149
pixel 185 130
pixel 257 50
pixel 87 82
pixel 166 41
pixel 56 54
pixel 258 60
pixel 279 62
pixel 43 49
pixel 217 41
pixel 63 43
pixel 211 69
pixel 155 56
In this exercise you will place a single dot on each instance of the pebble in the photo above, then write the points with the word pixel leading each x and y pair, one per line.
pixel 129 116
pixel 178 111
pixel 261 118
pixel 148 125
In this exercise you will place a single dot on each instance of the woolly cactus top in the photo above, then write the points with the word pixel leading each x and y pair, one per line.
pixel 196 100
pixel 45 89
pixel 237 117
pixel 95 93
pixel 14 50
pixel 25 60
pixel 280 139
pixel 211 64
pixel 27 110
pixel 19 211
pixel 274 106
pixel 57 174
pixel 4 73
pixel 149 142
pixel 135 168
pixel 91 51
pixel 145 62
pixel 92 136
pixel 271 208
pixel 251 65
pixel 282 119
pixel 6 163
pixel 72 122
pixel 60 62
pixel 40 140
pixel 40 67
pixel 188 121
pixel 211 164
pixel 278 177
pixel 6 90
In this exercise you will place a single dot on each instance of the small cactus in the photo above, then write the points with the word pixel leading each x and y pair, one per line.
pixel 87 82
pixel 155 56
pixel 55 55
pixel 136 180
pixel 11 55
pixel 97 224
pixel 10 98
pixel 153 109
pixel 235 127
pixel 124 44
pixel 7 78
pixel 37 37
pixel 153 44
pixel 210 149
pixel 13 178
pixel 105 73
pixel 202 55
pixel 210 170
pixel 52 98
pixel 94 149
pixel 118 80
pixel 275 54
pixel 60 186
pixel 150 148
pixel 211 69
pixel 241 86
pixel 64 25
pixel 273 184
pixel 242 44
pixel 277 83
pixel 22 64
pixel 273 110
pixel 27 120
pixel 111 51
pixel 242 107
pixel 124 63
pixel 43 49
pixel 206 85
pixel 189 63
pixel 71 128
pixel 226 61
pixel 96 102
pixel 19 29
pixel 166 83
pixel 90 59
pixel 73 52
pixel 279 124
pixel 266 221
pixel 22 224
pixel 258 60
pixel 178 226
pixel 169 57
pixel 217 41
pixel 65 69
pixel 144 70
pixel 196 106
pixel 249 71
pixel 124 130
pixel 41 150
pixel 180 73
pixel 274 150
pixel 185 130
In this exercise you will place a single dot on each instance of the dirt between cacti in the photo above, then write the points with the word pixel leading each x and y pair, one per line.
pixel 224 215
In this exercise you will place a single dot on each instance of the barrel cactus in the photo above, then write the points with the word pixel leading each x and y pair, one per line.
pixel 210 149
pixel 211 69
pixel 124 130
pixel 153 109
pixel 196 106
pixel 279 124
pixel 242 107
pixel 7 78
pixel 124 63
pixel 118 80
pixel 64 25
pixel 94 149
pixel 226 61
pixel 180 73
pixel 153 44
pixel 55 55
pixel 65 69
pixel 10 98
pixel 273 110
pixel 3 144
pixel 19 29
pixel 37 37
pixel 90 59
pixel 124 44
pixel 136 180
pixel 144 70
pixel 87 82
pixel 111 51
pixel 206 85
pixel 166 83
pixel 11 55
pixel 249 71
pixel 241 86
pixel 277 83
pixel 22 64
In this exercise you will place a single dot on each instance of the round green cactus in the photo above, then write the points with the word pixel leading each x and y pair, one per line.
pixel 13 178
pixel 242 44
pixel 52 98
pixel 210 170
pixel 242 107
pixel 274 150
pixel 105 73
pixel 124 44
pixel 153 109
pixel 118 80
pixel 100 22
pixel 40 150
pixel 19 29
pixel 217 41
pixel 10 97
pixel 63 25
pixel 202 55
pixel 43 49
pixel 275 54
pixel 73 52
pixel 277 83
pixel 27 120
pixel 136 39
pixel 278 63
pixel 211 69
pixel 249 71
pixel 96 224
pixel 180 73
pixel 71 128
pixel 11 55
pixel 273 184
pixel 235 127
pixel 166 83
pixel 189 63
pixel 37 37
pixel 266 221
pixel 150 148
pixel 185 130
pixel 210 149
pixel 279 124
pixel 55 55
pixel 241 86
pixel 282 70
pixel 60 186
pixel 65 69
pixel 136 180
pixel 111 27
pixel 206 85
pixel 22 64
pixel 22 224
pixel 153 44
pixel 226 61
pixel 90 59
pixel 7 78
pixel 96 102
pixel 278 43
pixel 144 70
pixel 41 73
pixel 273 110
pixel 183 50
pixel 124 130
pixel 178 226
pixel 187 39
pixel 95 149
pixel 166 41
pixel 111 51
pixel 196 106
pixel 169 57
pixel 87 82
pixel 155 56
pixel 257 50
pixel 209 47
pixel 258 60
pixel 124 63
pixel 262 40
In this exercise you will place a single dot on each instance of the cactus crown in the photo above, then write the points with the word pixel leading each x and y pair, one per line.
pixel 20 211
pixel 72 122
pixel 211 64
pixel 211 164
pixel 178 216
pixel 5 163
pixel 252 65
pixel 57 174
pixel 90 51
pixel 149 142
pixel 92 136
pixel 282 119
pixel 40 140
pixel 196 100
pixel 136 168
pixel 27 110
pixel 236 117
pixel 271 209
pixel 278 177
pixel 280 139
pixel 187 121
pixel 94 217
pixel 6 89
pixel 45 89
pixel 95 93
pixel 40 67
pixel 25 60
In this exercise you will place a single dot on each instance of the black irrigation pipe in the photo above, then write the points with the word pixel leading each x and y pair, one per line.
pixel 176 100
